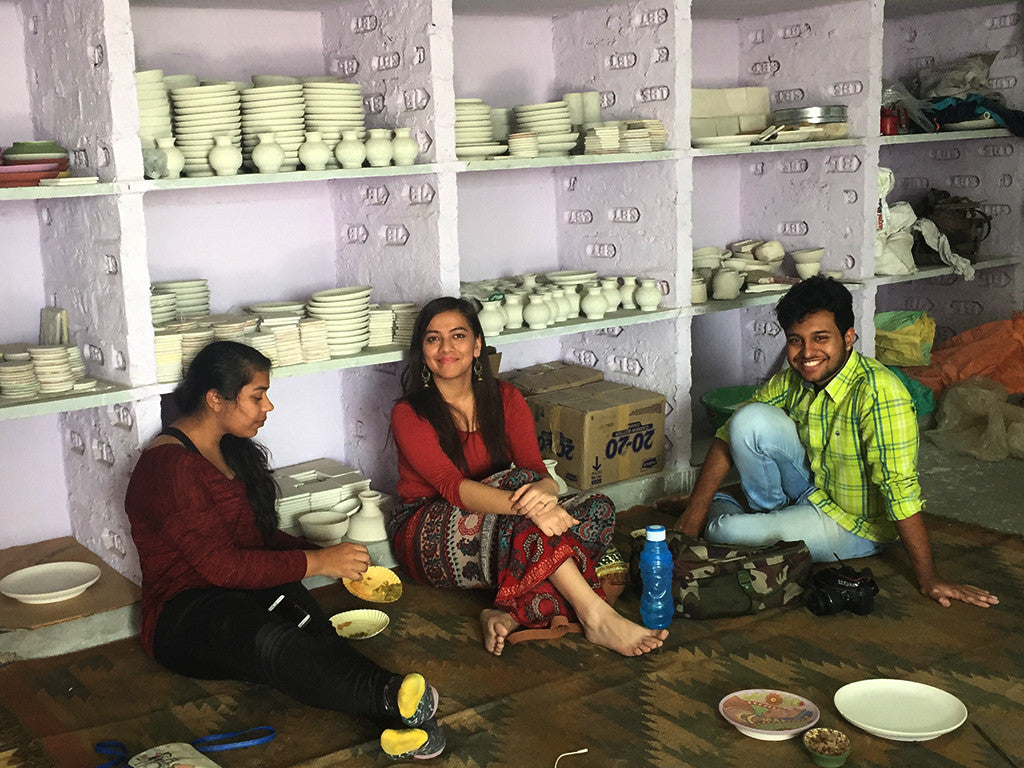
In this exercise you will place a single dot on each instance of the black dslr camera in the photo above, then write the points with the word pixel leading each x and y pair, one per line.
pixel 835 589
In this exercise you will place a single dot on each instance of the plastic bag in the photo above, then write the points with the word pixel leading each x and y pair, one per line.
pixel 924 400
pixel 974 418
pixel 958 78
pixel 904 338
pixel 895 94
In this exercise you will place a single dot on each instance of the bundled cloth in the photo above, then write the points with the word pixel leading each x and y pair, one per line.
pixel 976 419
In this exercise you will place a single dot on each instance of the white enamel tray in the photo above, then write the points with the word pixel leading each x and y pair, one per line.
pixel 49 582
pixel 900 710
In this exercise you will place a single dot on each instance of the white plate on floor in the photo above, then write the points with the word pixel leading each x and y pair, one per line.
pixel 360 624
pixel 49 582
pixel 900 710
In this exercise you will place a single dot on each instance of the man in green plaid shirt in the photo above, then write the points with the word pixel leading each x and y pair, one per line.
pixel 826 451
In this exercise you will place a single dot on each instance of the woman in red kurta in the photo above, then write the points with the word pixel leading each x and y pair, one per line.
pixel 201 502
pixel 469 520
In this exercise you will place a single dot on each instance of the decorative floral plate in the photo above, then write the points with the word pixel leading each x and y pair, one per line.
pixel 767 714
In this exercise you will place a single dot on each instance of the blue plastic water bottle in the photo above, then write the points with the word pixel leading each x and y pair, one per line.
pixel 656 605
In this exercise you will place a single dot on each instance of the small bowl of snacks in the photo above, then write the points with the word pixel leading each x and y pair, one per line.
pixel 829 748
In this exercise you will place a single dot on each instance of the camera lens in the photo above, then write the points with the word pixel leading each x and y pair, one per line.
pixel 824 602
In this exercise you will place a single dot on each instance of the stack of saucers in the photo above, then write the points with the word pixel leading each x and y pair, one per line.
pixel 346 312
pixel 168 356
pixel 18 380
pixel 635 138
pixel 289 507
pixel 263 343
pixel 202 112
pixel 163 306
pixel 193 340
pixel 325 494
pixel 276 109
pixel 52 368
pixel 154 108
pixel 77 362
pixel 288 344
pixel 313 336
pixel 474 132
pixel 552 124
pixel 230 327
pixel 382 322
pixel 657 133
pixel 405 320
pixel 523 145
pixel 275 314
pixel 191 297
pixel 602 140
pixel 333 106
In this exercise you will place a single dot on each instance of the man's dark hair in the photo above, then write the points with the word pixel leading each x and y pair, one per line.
pixel 814 295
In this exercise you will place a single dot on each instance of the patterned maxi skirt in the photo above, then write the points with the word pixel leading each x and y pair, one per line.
pixel 444 546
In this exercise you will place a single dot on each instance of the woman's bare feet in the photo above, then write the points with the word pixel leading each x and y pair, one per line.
pixel 496 625
pixel 610 629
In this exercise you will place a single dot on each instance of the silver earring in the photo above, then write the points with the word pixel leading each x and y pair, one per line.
pixel 425 377
pixel 478 369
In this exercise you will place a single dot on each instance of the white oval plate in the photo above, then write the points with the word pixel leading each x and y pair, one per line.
pixel 900 710
pixel 361 623
pixel 49 582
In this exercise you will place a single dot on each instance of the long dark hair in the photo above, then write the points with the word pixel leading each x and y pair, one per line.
pixel 428 403
pixel 226 367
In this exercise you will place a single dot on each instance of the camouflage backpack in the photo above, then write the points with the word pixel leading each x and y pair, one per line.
pixel 711 581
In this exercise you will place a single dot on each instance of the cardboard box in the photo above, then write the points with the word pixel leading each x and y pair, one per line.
pixel 601 432
pixel 550 377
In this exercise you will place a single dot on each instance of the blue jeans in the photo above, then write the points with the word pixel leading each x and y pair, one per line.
pixel 776 478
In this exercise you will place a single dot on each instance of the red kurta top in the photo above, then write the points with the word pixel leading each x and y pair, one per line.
pixel 424 471
pixel 194 528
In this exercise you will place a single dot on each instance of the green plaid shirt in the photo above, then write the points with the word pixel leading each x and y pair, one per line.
pixel 861 437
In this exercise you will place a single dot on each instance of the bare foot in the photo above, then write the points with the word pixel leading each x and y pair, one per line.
pixel 496 626
pixel 610 629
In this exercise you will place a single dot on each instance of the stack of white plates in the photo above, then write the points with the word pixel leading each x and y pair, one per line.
pixel 324 494
pixel 276 109
pixel 77 362
pixel 52 368
pixel 635 138
pixel 18 380
pixel 346 312
pixel 192 297
pixel 382 326
pixel 602 139
pixel 168 356
pixel 405 320
pixel 277 314
pixel 474 130
pixel 163 305
pixel 289 508
pixel 230 327
pixel 154 108
pixel 552 124
pixel 333 106
pixel 288 344
pixel 571 277
pixel 262 343
pixel 657 133
pixel 523 144
pixel 200 113
pixel 313 336
pixel 192 341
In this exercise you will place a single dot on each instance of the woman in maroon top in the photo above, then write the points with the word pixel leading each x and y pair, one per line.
pixel 201 502
pixel 467 520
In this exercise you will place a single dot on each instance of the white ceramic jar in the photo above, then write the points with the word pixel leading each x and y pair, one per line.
pixel 563 304
pixel 405 147
pixel 648 296
pixel 492 322
pixel 536 313
pixel 552 465
pixel 610 289
pixel 175 157
pixel 314 154
pixel 593 303
pixel 368 523
pixel 379 149
pixel 513 311
pixel 225 158
pixel 350 152
pixel 627 291
pixel 267 155
pixel 726 284
pixel 698 290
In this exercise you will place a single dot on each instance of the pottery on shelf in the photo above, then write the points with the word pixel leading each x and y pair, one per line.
pixel 536 313
pixel 405 147
pixel 610 289
pixel 698 290
pixel 492 321
pixel 593 304
pixel 268 155
pixel 175 157
pixel 528 281
pixel 627 292
pixel 726 284
pixel 574 298
pixel 350 152
pixel 648 295
pixel 563 304
pixel 379 149
pixel 513 311
pixel 225 158
pixel 314 154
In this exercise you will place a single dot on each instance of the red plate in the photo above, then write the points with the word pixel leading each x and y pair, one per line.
pixel 29 168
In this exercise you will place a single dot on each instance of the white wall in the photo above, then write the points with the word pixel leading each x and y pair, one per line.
pixel 33 504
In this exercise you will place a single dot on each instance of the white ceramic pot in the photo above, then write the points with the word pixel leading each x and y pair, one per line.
pixel 267 155
pixel 698 290
pixel 726 284
pixel 552 465
pixel 314 154
pixel 379 150
pixel 627 291
pixel 648 296
pixel 563 304
pixel 808 269
pixel 593 303
pixel 529 281
pixel 174 156
pixel 225 158
pixel 536 313
pixel 549 299
pixel 513 311
pixel 610 289
pixel 405 147
pixel 350 152
pixel 368 523
pixel 490 316
pixel 573 295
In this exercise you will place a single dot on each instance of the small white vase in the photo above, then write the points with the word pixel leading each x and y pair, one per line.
pixel 368 523
pixel 573 295
pixel 549 299
pixel 593 303
pixel 491 320
pixel 610 289
pixel 552 465
pixel 529 281
pixel 536 313
pixel 268 155
pixel 627 291
pixel 647 296
pixel 513 311
pixel 225 158
pixel 350 152
pixel 405 147
pixel 698 290
pixel 314 152
pixel 563 305
pixel 379 150
pixel 175 157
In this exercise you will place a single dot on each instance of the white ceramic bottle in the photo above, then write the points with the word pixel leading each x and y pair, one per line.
pixel 573 295
pixel 563 304
pixel 405 147
pixel 552 465
pixel 610 289
pixel 174 156
pixel 225 158
pixel 513 311
pixel 593 303
pixel 627 291
pixel 491 320
pixel 698 290
pixel 379 150
pixel 536 313
pixel 314 152
pixel 367 524
pixel 268 155
pixel 647 296
pixel 350 152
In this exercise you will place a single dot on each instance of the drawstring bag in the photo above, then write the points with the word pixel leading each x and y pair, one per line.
pixel 712 581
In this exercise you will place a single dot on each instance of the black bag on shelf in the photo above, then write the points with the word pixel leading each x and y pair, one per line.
pixel 960 219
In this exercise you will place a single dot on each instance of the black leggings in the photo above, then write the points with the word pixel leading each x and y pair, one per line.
pixel 228 634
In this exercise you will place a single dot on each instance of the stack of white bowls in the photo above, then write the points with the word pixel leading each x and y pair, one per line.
pixel 346 312
pixel 154 108
pixel 552 124
pixel 202 112
pixel 262 343
pixel 277 109
pixel 333 106
pixel 474 130
pixel 168 356
pixel 523 144
pixel 191 297
pixel 635 138
pixel 52 368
